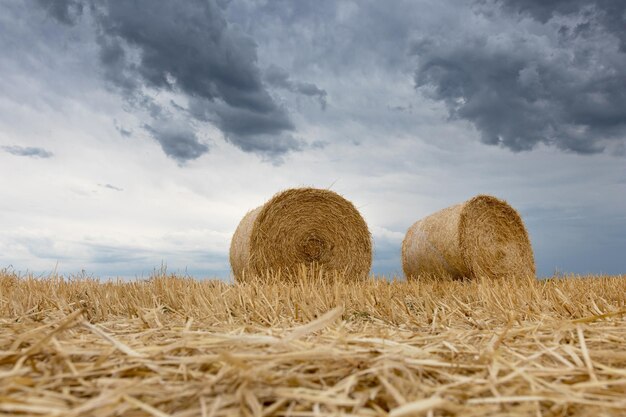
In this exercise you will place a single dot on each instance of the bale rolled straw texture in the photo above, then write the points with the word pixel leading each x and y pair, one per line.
pixel 302 226
pixel 482 237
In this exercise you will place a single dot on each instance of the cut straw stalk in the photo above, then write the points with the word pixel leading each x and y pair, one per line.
pixel 418 407
pixel 302 226
pixel 482 237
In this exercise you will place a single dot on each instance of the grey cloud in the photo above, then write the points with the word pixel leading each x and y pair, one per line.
pixel 104 259
pixel 107 254
pixel 318 144
pixel 583 239
pixel 124 132
pixel 28 151
pixel 65 11
pixel 188 48
pixel 177 141
pixel 338 37
pixel 522 89
pixel 44 248
pixel 268 146
pixel 399 108
pixel 387 259
pixel 111 187
pixel 609 14
pixel 309 89
pixel 279 77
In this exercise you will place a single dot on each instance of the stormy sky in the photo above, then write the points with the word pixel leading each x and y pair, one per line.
pixel 137 134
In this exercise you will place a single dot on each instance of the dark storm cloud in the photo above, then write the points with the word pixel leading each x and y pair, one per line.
pixel 188 48
pixel 178 141
pixel 249 130
pixel 279 77
pixel 28 151
pixel 520 88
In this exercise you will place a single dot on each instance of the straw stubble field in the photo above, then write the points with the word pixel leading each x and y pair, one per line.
pixel 171 346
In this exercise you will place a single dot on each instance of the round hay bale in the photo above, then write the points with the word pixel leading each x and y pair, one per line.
pixel 302 226
pixel 482 237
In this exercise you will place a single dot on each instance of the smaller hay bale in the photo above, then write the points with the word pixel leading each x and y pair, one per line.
pixel 302 226
pixel 482 237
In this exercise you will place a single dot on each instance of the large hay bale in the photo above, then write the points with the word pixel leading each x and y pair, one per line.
pixel 302 226
pixel 482 237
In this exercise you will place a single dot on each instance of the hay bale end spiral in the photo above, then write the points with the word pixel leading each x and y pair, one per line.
pixel 302 226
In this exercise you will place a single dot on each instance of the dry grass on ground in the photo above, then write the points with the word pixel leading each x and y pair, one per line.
pixel 179 347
